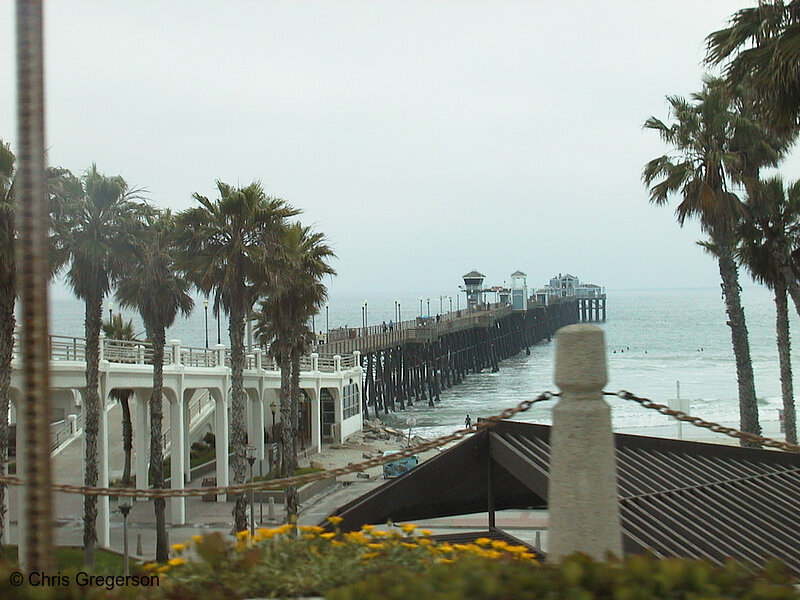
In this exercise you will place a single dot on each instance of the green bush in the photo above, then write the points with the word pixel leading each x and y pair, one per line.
pixel 576 578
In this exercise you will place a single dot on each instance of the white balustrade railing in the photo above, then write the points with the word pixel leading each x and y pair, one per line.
pixel 65 348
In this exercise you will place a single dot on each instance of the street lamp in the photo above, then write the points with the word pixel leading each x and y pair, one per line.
pixel 327 324
pixel 441 304
pixel 125 508
pixel 251 458
pixel 420 307
pixel 216 308
pixel 110 312
pixel 450 298
pixel 205 308
pixel 429 308
pixel 273 409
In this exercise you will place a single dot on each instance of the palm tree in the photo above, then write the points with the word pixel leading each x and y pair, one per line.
pixel 154 287
pixel 772 226
pixel 230 248
pixel 7 298
pixel 58 182
pixel 291 300
pixel 96 232
pixel 761 46
pixel 701 171
pixel 117 329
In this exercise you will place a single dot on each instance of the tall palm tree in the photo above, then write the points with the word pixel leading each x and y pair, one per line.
pixel 761 46
pixel 117 329
pixel 155 288
pixel 291 300
pixel 97 229
pixel 229 248
pixel 59 182
pixel 772 227
pixel 701 171
pixel 7 298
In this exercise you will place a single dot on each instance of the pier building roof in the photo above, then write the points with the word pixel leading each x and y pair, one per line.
pixel 677 498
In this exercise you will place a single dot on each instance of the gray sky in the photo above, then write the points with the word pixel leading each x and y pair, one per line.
pixel 424 139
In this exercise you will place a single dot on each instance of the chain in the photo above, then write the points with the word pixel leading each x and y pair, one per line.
pixel 300 479
pixel 698 422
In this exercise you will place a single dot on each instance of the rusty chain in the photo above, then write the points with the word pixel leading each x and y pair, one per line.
pixel 698 422
pixel 300 479
pixel 380 460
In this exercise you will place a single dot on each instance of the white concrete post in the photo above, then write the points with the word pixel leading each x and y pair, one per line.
pixel 176 456
pixel 73 424
pixel 187 456
pixel 583 502
pixel 176 351
pixel 141 440
pixel 257 352
pixel 337 363
pixel 221 434
pixel 258 442
pixel 314 362
pixel 103 510
pixel 316 421
pixel 356 358
pixel 102 347
pixel 220 348
pixel 139 354
pixel 19 494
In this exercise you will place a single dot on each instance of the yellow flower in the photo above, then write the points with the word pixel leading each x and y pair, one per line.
pixel 408 545
pixel 243 535
pixel 425 542
pixel 311 528
pixel 179 548
pixel 197 539
pixel 367 528
pixel 355 536
pixel 483 541
pixel 369 555
pixel 374 546
pixel 337 543
pixel 408 528
pixel 174 562
pixel 499 545
pixel 445 548
pixel 335 520
pixel 379 533
pixel 150 566
pixel 425 532
pixel 162 569
pixel 328 535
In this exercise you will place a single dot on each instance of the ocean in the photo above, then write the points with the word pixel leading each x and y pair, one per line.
pixel 655 338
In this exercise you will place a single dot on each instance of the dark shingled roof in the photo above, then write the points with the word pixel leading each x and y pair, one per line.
pixel 677 498
pixel 473 274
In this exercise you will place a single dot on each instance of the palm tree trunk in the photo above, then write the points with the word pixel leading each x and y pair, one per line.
pixel 157 443
pixel 292 496
pixel 286 414
pixel 785 360
pixel 748 409
pixel 91 425
pixel 238 419
pixel 7 323
pixel 791 283
pixel 127 435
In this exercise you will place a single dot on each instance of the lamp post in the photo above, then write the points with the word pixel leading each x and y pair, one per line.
pixel 450 298
pixel 420 307
pixel 205 309
pixel 251 458
pixel 218 335
pixel 429 308
pixel 110 312
pixel 327 324
pixel 125 508
pixel 441 304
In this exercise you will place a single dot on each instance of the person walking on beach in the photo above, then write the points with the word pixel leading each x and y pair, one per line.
pixel 467 422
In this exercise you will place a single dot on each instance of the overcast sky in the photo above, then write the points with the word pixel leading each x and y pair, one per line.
pixel 425 139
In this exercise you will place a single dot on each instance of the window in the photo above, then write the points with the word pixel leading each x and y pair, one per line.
pixel 351 401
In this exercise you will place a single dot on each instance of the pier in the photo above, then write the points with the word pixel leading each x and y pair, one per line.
pixel 416 359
